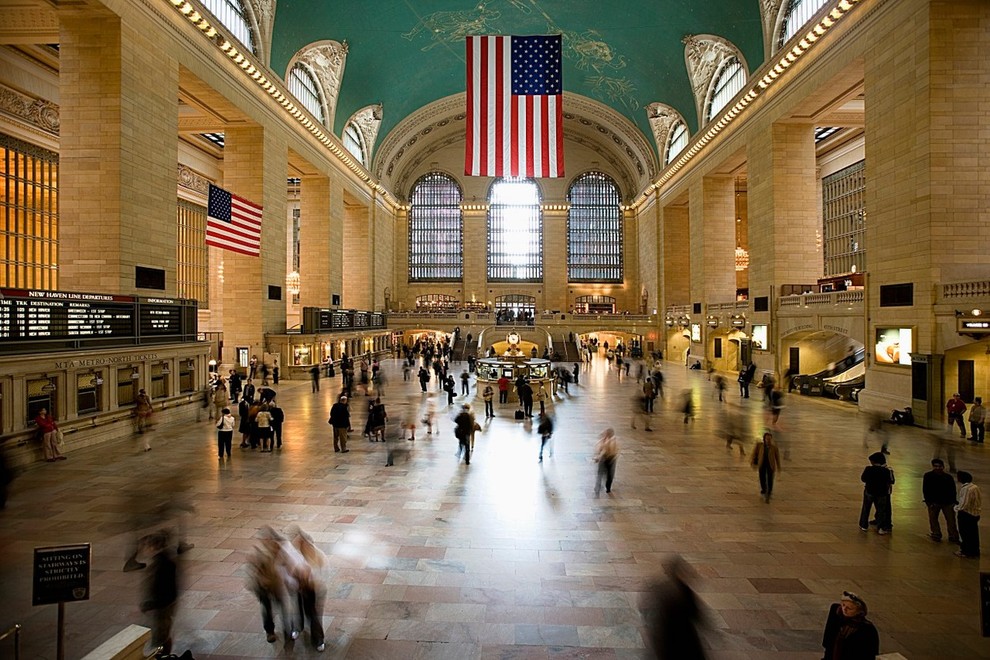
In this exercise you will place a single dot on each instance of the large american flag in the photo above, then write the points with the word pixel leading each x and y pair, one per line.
pixel 233 223
pixel 514 116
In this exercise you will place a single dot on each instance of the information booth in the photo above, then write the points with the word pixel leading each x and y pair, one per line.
pixel 536 370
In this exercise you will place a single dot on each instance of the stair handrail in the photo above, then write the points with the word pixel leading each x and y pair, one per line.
pixel 14 630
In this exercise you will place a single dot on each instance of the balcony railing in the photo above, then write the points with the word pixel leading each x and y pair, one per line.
pixel 956 290
pixel 823 299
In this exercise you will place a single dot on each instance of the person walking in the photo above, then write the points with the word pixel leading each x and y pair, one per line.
pixel 968 511
pixel 225 433
pixel 849 635
pixel 546 432
pixel 48 431
pixel 939 491
pixel 525 393
pixel 977 415
pixel 424 378
pixel 878 480
pixel 463 428
pixel 143 410
pixel 766 459
pixel 606 455
pixel 314 375
pixel 955 408
pixel 162 591
pixel 340 420
pixel 673 615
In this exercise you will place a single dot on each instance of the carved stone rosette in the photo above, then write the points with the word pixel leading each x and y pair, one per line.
pixel 40 114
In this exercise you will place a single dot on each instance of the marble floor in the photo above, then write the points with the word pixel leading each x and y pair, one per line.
pixel 509 557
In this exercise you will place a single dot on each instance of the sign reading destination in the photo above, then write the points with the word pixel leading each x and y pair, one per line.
pixel 61 574
pixel 78 319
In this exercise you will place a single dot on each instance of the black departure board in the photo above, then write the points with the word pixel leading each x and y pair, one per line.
pixel 316 320
pixel 68 319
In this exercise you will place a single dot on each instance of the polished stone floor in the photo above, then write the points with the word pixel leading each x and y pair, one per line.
pixel 508 557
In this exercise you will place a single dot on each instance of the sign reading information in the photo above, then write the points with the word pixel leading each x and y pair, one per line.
pixel 61 574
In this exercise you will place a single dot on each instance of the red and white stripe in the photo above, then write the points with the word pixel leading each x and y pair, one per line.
pixel 243 232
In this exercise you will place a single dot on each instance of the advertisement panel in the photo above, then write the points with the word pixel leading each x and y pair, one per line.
pixel 893 346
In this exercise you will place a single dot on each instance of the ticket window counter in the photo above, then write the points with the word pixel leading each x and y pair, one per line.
pixel 128 384
pixel 301 355
pixel 41 395
pixel 89 392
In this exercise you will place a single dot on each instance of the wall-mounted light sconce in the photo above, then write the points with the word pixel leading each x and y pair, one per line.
pixel 135 373
pixel 165 369
pixel 96 379
pixel 49 387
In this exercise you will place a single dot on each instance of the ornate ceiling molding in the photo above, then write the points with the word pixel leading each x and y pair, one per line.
pixel 440 124
pixel 368 120
pixel 325 60
pixel 704 55
pixel 188 178
pixel 261 15
pixel 38 113
pixel 771 11
pixel 662 118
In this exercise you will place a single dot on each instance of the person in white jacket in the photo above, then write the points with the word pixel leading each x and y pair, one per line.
pixel 225 433
pixel 968 514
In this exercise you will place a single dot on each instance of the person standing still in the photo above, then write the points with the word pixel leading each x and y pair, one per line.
pixel 766 459
pixel 939 491
pixel 977 415
pixel 225 433
pixel 488 395
pixel 954 408
pixel 606 455
pixel 878 479
pixel 968 511
pixel 314 374
pixel 849 635
pixel 503 389
pixel 48 429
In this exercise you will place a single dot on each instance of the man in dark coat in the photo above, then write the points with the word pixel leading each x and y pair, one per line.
pixel 671 613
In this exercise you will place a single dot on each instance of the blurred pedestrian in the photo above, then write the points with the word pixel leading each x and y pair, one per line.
pixel 162 591
pixel 143 410
pixel 463 429
pixel 606 455
pixel 340 420
pixel 672 615
pixel 545 429
pixel 878 480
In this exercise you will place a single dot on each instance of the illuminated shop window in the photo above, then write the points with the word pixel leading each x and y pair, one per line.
pixel 515 231
pixel 436 230
pixel 594 230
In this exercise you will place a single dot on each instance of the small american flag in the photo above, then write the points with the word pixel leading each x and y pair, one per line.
pixel 514 115
pixel 233 223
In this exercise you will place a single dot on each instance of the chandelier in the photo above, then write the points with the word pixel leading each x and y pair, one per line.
pixel 742 259
pixel 292 283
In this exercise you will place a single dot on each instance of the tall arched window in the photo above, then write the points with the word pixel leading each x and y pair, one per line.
pixel 231 13
pixel 798 13
pixel 728 81
pixel 354 142
pixel 303 85
pixel 515 231
pixel 594 230
pixel 436 229
pixel 677 141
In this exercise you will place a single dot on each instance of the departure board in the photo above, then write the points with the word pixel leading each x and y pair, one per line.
pixel 68 319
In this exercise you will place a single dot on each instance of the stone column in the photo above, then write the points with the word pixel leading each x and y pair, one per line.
pixel 118 150
pixel 382 249
pixel 554 260
pixel 358 255
pixel 320 239
pixel 674 246
pixel 475 256
pixel 712 215
pixel 255 168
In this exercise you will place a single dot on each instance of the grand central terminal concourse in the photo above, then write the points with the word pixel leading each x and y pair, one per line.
pixel 504 329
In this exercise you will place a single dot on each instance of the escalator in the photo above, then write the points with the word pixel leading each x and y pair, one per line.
pixel 570 351
pixel 835 375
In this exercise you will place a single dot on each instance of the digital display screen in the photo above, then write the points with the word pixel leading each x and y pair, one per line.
pixel 760 337
pixel 893 346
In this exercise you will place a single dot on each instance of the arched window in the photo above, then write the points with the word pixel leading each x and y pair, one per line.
pixel 594 230
pixel 798 13
pixel 304 87
pixel 515 231
pixel 354 141
pixel 231 13
pixel 676 142
pixel 436 229
pixel 729 80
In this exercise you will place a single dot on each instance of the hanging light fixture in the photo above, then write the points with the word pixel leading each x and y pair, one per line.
pixel 742 258
pixel 292 283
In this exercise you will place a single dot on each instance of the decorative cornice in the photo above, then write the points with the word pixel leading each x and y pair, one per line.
pixel 12 143
pixel 188 178
pixel 37 112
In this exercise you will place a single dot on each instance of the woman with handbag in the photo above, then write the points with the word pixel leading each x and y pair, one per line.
pixel 48 430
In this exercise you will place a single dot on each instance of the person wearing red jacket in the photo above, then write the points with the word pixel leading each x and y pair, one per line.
pixel 47 428
pixel 955 408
